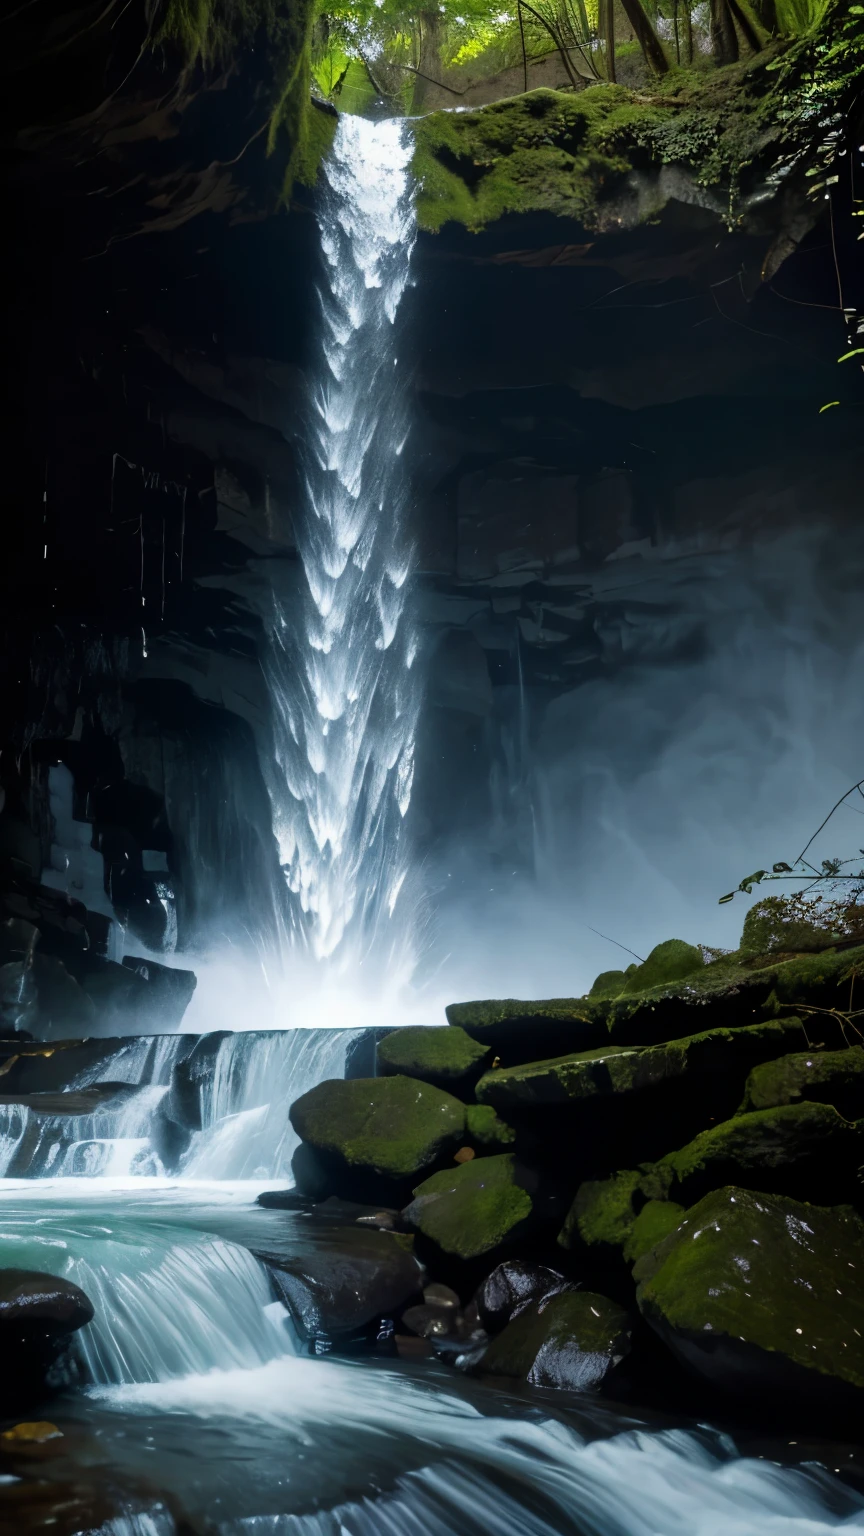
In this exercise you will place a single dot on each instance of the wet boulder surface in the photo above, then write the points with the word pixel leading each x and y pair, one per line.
pixel 569 1339
pixel 511 1287
pixel 761 1294
pixel 38 1315
pixel 826 1077
pixel 350 1277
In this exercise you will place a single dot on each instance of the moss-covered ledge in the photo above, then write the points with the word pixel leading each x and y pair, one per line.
pixel 611 158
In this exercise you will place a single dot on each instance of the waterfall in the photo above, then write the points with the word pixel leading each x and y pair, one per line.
pixel 339 660
pixel 169 1302
pixel 245 1100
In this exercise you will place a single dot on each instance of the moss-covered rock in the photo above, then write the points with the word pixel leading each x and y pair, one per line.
pixel 445 1057
pixel 474 1209
pixel 602 1214
pixel 610 983
pixel 622 1069
pixel 570 1339
pixel 799 1149
pixel 599 155
pixel 486 1131
pixel 656 1220
pixel 519 1031
pixel 673 960
pixel 776 924
pixel 762 1295
pixel 389 1128
pixel 829 1077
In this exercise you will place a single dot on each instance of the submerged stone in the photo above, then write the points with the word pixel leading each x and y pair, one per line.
pixel 391 1127
pixel 804 1149
pixel 38 1313
pixel 829 1077
pixel 475 1208
pixel 571 1340
pixel 446 1057
pixel 761 1294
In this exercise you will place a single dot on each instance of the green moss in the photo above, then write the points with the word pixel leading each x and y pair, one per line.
pixel 540 151
pixel 656 1220
pixel 472 1209
pixel 603 1212
pixel 447 1056
pixel 668 962
pixel 775 1274
pixel 832 1077
pixel 770 925
pixel 393 1126
pixel 793 1148
pixel 574 155
pixel 622 1069
pixel 486 1130
pixel 568 1340
pixel 519 1031
pixel 609 983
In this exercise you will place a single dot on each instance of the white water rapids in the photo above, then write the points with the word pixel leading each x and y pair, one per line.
pixel 340 662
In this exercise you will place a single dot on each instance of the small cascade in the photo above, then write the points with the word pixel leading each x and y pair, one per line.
pixel 169 1301
pixel 114 1140
pixel 245 1100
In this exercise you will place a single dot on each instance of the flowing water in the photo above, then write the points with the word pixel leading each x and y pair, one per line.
pixel 340 662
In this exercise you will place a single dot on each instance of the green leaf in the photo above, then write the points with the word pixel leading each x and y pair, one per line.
pixel 751 880
pixel 856 352
pixel 724 899
pixel 828 406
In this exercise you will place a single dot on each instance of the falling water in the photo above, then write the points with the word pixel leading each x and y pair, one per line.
pixel 340 661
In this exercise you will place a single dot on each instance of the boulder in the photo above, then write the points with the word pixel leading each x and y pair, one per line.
pixel 38 1313
pixel 572 1340
pixel 513 1286
pixel 519 1031
pixel 801 1149
pixel 355 1277
pixel 668 962
pixel 631 1069
pixel 485 1130
pixel 445 1057
pixel 371 1134
pixel 609 983
pixel 602 1214
pixel 474 1209
pixel 827 1077
pixel 761 1296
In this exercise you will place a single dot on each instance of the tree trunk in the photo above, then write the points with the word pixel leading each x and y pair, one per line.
pixel 649 42
pixel 688 31
pixel 724 38
pixel 766 10
pixel 607 31
pixel 745 26
pixel 429 62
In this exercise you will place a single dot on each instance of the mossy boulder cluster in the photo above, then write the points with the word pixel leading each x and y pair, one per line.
pixel 675 1157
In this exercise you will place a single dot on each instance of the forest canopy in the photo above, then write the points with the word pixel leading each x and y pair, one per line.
pixel 404 52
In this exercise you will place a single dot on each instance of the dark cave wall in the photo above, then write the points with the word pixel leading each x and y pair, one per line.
pixel 598 422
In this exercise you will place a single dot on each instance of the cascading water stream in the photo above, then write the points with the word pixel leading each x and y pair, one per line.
pixel 339 664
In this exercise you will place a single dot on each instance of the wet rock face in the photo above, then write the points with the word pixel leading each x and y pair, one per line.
pixel 760 1294
pixel 511 1287
pixel 339 1287
pixel 38 1313
pixel 827 1077
pixel 571 1340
